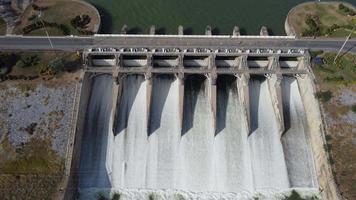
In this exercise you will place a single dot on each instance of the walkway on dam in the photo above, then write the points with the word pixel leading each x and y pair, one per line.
pixel 159 41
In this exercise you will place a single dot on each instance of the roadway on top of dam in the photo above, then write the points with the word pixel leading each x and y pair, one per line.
pixel 70 43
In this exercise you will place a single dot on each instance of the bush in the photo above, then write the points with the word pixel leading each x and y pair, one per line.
pixel 39 8
pixel 57 65
pixel 347 10
pixel 116 196
pixel 353 108
pixel 41 24
pixel 314 54
pixel 32 17
pixel 313 23
pixel 80 21
pixel 324 96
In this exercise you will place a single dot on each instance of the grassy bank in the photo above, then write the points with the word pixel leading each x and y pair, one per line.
pixel 60 17
pixel 337 83
pixel 323 19
pixel 39 64
pixel 2 27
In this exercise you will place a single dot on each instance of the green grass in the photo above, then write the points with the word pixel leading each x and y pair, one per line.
pixel 60 12
pixel 343 71
pixel 327 14
pixel 35 156
pixel 40 67
pixel 2 27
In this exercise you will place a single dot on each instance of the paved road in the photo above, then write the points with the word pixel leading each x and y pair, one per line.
pixel 78 43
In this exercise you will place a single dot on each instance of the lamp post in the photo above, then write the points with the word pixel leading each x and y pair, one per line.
pixel 343 45
pixel 49 39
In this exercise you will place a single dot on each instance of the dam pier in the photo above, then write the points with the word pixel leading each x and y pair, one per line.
pixel 209 64
pixel 192 123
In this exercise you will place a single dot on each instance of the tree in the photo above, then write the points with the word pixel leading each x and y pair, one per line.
pixel 57 65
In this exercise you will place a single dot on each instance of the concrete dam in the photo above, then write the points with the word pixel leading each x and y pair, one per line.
pixel 196 124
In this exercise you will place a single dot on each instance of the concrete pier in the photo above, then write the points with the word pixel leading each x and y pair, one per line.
pixel 272 64
pixel 180 78
pixel 244 97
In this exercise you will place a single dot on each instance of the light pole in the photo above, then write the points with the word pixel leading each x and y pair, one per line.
pixel 343 45
pixel 44 26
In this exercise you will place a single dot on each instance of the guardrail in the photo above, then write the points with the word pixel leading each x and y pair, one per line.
pixel 194 36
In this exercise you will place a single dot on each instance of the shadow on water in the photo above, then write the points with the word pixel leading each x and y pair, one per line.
pixel 226 84
pixel 92 166
pixel 126 101
pixel 161 87
pixel 106 20
pixel 194 86
pixel 135 30
pixel 188 31
pixel 215 31
pixel 243 31
pixel 270 31
pixel 255 92
pixel 161 31
pixel 286 95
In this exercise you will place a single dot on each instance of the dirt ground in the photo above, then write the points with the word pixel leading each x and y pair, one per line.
pixel 340 118
pixel 328 14
pixel 61 12
pixel 35 122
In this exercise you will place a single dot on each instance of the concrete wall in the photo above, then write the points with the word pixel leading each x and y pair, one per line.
pixel 324 174
pixel 83 103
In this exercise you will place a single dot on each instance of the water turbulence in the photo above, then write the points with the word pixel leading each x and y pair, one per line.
pixel 130 143
pixel 93 171
pixel 231 150
pixel 295 140
pixel 164 133
pixel 269 168
pixel 196 146
pixel 159 139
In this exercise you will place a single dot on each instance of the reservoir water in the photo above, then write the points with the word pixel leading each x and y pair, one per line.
pixel 195 15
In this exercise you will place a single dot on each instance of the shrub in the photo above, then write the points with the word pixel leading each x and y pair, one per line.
pixel 116 196
pixel 316 53
pixel 41 24
pixel 346 10
pixel 32 17
pixel 312 22
pixel 324 96
pixel 80 21
pixel 39 8
pixel 353 108
pixel 57 65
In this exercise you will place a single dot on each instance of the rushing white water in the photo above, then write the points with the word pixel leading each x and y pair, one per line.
pixel 93 171
pixel 295 140
pixel 164 130
pixel 130 143
pixel 150 154
pixel 197 144
pixel 231 151
pixel 269 168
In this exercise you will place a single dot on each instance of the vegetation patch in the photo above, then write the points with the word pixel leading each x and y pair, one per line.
pixel 22 65
pixel 324 96
pixel 323 19
pixel 342 71
pixel 2 27
pixel 32 170
pixel 353 108
pixel 58 17
pixel 339 78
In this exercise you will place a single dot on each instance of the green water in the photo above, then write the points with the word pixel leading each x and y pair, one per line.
pixel 195 15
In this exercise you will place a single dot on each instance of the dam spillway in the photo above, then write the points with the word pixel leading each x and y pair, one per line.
pixel 226 135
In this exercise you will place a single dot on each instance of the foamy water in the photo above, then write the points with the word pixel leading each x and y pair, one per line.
pixel 151 155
